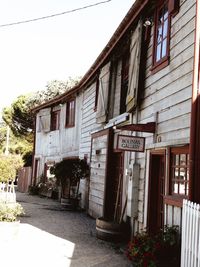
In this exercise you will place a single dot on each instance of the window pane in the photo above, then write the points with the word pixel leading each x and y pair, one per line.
pixel 158 54
pixel 182 188
pixel 159 34
pixel 165 11
pixel 183 159
pixel 164 48
pixel 176 159
pixel 175 188
pixel 165 28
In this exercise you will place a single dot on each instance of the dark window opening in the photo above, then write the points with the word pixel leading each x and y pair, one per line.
pixel 70 113
pixel 55 120
pixel 96 93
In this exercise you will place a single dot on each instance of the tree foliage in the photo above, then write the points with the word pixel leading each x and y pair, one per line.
pixel 19 116
pixel 9 166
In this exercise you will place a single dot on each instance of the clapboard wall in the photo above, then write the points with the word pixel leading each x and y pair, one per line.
pixel 61 143
pixel 167 100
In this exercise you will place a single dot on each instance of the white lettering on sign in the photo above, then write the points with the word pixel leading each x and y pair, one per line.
pixel 130 143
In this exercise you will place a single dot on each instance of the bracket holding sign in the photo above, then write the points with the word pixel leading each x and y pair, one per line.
pixel 130 143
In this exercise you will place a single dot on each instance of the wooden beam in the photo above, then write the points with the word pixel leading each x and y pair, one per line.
pixel 149 127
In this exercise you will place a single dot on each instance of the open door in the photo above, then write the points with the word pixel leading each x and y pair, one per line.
pixel 156 192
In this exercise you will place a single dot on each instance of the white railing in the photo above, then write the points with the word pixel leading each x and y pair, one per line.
pixel 7 193
pixel 190 244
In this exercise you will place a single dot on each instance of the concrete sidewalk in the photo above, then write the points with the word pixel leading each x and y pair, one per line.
pixel 49 236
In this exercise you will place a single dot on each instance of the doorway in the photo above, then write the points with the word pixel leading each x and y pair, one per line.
pixel 156 192
pixel 114 185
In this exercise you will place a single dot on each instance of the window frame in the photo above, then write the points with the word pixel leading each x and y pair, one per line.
pixel 55 125
pixel 172 198
pixel 163 61
pixel 70 122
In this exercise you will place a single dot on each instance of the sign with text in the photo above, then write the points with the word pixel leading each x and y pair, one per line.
pixel 130 143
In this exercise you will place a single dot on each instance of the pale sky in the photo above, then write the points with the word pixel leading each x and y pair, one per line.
pixel 37 52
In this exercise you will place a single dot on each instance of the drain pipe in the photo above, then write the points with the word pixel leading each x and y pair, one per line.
pixel 194 166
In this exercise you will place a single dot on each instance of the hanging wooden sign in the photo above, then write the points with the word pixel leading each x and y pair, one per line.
pixel 130 143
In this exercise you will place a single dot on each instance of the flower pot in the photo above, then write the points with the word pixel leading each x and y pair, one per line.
pixel 108 230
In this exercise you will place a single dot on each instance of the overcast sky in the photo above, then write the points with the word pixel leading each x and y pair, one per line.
pixel 34 53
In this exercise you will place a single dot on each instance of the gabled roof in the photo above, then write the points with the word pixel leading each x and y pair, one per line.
pixel 132 15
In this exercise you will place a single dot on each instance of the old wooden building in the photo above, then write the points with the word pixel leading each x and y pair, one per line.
pixel 135 117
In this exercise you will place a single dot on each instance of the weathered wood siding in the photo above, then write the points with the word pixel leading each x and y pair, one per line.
pixel 167 98
pixel 88 124
pixel 62 143
pixel 173 215
pixel 88 120
pixel 97 175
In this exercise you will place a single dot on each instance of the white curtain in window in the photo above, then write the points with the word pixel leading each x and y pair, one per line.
pixel 135 52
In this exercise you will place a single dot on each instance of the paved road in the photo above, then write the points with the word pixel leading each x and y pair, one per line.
pixel 51 237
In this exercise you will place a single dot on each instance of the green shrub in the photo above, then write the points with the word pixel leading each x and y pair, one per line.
pixel 9 212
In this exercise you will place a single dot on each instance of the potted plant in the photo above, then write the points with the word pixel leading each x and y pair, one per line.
pixel 169 252
pixel 68 173
pixel 160 250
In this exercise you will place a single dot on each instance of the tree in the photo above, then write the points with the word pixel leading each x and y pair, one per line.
pixel 9 166
pixel 19 116
pixel 68 173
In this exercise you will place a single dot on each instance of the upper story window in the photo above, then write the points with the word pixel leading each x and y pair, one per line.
pixel 161 35
pixel 70 113
pixel 55 120
pixel 96 93
pixel 124 82
pixel 179 172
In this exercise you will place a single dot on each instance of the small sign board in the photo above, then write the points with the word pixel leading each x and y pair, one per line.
pixel 130 143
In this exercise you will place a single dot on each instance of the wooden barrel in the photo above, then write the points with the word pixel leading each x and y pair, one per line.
pixel 108 230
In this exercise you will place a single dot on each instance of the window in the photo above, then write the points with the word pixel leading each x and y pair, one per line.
pixel 39 124
pixel 55 120
pixel 179 172
pixel 124 82
pixel 96 93
pixel 161 35
pixel 70 113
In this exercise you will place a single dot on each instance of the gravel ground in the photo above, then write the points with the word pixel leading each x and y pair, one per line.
pixel 48 235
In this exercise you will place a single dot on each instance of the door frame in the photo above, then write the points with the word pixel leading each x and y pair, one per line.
pixel 109 182
pixel 153 193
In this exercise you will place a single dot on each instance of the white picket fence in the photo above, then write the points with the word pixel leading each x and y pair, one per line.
pixel 190 236
pixel 7 193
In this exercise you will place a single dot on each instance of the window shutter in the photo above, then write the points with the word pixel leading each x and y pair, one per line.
pixel 173 7
pixel 46 122
pixel 102 106
pixel 135 51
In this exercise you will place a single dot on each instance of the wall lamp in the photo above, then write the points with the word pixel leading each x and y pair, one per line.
pixel 148 22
